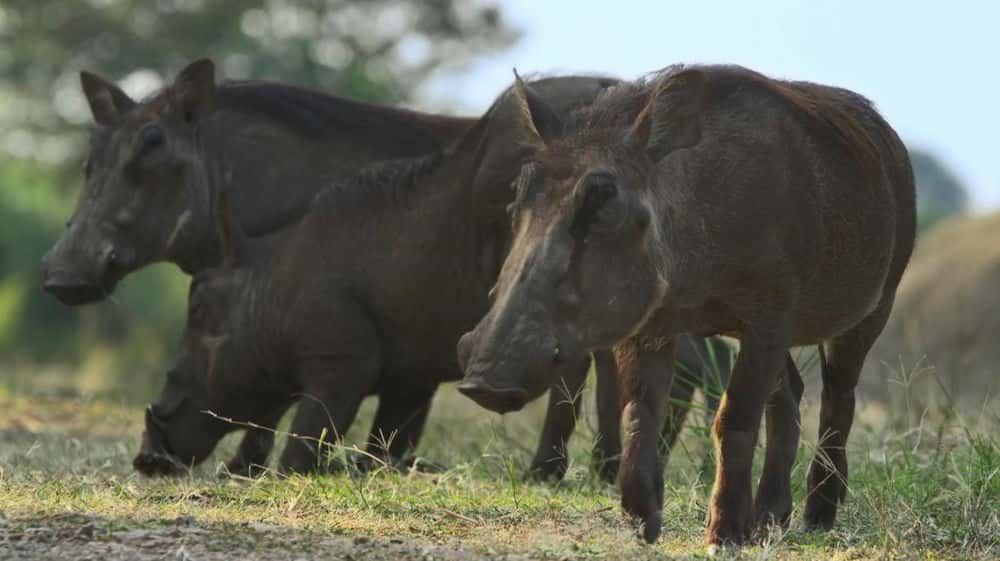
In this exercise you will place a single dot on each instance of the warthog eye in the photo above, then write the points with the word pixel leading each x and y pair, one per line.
pixel 152 136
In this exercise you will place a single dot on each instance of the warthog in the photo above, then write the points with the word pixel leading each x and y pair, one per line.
pixel 367 294
pixel 704 200
pixel 153 165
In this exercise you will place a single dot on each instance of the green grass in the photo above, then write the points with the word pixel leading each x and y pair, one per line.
pixel 930 491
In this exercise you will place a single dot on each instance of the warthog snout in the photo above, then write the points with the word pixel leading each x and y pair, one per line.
pixel 154 457
pixel 500 400
pixel 505 378
pixel 75 278
pixel 476 387
pixel 69 288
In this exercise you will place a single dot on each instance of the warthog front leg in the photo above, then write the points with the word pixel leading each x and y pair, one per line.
pixel 759 364
pixel 646 375
pixel 399 423
pixel 551 459
pixel 773 502
pixel 608 448
pixel 329 403
pixel 251 457
pixel 692 369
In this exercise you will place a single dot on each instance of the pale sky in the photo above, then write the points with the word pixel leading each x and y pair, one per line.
pixel 932 68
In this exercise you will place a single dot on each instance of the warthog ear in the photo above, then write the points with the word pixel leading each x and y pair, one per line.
pixel 672 118
pixel 194 89
pixel 538 121
pixel 107 101
pixel 231 236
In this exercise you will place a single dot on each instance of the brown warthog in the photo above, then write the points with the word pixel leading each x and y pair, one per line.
pixel 704 200
pixel 368 294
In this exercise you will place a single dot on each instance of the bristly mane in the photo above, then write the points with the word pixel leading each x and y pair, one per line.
pixel 825 109
pixel 387 184
pixel 318 115
pixel 394 183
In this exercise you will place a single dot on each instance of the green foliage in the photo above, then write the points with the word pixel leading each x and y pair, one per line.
pixel 30 207
pixel 939 193
pixel 374 49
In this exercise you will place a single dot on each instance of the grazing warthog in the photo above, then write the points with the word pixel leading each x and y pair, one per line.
pixel 704 200
pixel 368 294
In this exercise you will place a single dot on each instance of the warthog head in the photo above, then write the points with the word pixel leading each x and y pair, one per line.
pixel 581 274
pixel 211 377
pixel 143 185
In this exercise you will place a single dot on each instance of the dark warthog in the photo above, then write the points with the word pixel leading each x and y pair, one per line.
pixel 368 294
pixel 705 200
pixel 153 165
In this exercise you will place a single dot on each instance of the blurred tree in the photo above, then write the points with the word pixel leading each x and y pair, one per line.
pixel 939 193
pixel 379 50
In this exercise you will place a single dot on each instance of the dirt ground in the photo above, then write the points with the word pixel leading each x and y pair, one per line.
pixel 85 537
pixel 68 492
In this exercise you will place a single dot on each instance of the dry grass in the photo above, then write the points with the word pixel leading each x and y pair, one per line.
pixel 926 492
pixel 945 317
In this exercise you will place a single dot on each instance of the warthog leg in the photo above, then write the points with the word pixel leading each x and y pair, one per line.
pixel 251 457
pixel 692 370
pixel 327 407
pixel 759 365
pixel 646 374
pixel 399 423
pixel 608 447
pixel 551 459
pixel 773 501
pixel 828 487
